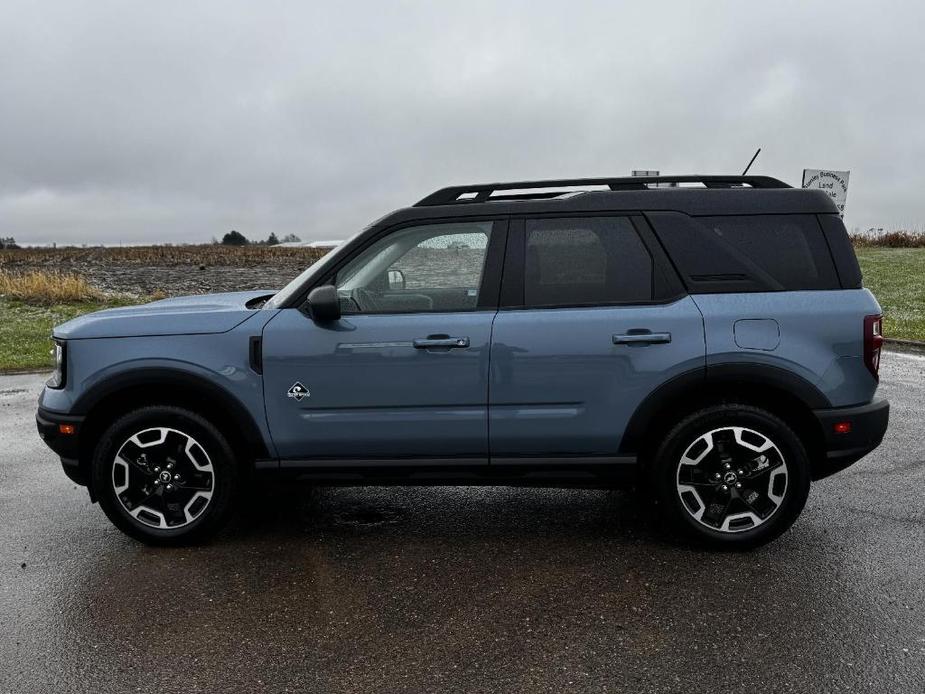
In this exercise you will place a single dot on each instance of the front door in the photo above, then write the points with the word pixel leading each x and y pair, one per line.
pixel 403 376
pixel 588 338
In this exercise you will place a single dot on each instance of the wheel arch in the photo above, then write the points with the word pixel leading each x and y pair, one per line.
pixel 783 393
pixel 120 393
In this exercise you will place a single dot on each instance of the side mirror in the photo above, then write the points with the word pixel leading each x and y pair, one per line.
pixel 324 304
pixel 396 279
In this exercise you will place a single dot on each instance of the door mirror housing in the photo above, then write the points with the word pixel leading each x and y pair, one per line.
pixel 323 304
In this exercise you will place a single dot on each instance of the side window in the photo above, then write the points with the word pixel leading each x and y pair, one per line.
pixel 789 248
pixel 434 267
pixel 747 253
pixel 585 261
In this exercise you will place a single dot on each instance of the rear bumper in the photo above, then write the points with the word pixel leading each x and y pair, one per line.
pixel 867 426
pixel 67 446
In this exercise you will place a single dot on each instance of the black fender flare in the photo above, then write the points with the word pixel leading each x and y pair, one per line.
pixel 184 384
pixel 698 384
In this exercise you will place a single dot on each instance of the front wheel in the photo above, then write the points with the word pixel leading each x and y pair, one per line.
pixel 732 475
pixel 165 476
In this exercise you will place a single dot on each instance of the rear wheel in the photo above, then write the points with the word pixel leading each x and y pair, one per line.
pixel 165 475
pixel 732 475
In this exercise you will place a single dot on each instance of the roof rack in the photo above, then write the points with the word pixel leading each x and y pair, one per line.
pixel 483 192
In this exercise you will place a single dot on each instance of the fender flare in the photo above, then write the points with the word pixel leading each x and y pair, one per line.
pixel 695 384
pixel 185 382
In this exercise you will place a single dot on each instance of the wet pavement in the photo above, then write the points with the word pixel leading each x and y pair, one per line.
pixel 468 589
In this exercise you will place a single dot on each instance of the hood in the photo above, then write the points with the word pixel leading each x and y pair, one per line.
pixel 182 315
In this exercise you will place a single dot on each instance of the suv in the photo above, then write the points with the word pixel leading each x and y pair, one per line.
pixel 707 341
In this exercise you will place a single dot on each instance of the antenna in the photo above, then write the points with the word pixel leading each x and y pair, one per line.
pixel 757 152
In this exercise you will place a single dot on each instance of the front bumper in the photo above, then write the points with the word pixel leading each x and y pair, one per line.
pixel 67 446
pixel 867 425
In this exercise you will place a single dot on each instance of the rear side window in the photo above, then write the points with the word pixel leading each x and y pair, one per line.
pixel 748 252
pixel 585 261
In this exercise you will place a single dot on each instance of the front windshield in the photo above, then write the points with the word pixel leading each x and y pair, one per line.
pixel 290 290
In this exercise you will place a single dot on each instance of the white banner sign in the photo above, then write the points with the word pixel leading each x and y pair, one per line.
pixel 835 183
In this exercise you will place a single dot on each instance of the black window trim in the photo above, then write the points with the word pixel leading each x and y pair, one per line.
pixel 512 296
pixel 489 287
pixel 843 256
pixel 664 272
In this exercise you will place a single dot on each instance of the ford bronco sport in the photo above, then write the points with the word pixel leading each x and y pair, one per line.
pixel 709 343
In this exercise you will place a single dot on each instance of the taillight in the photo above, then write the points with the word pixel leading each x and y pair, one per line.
pixel 873 341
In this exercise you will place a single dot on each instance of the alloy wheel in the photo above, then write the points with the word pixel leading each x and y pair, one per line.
pixel 163 478
pixel 732 479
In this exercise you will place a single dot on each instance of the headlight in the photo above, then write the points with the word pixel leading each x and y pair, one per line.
pixel 60 372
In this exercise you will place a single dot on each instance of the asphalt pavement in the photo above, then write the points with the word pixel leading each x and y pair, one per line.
pixel 465 589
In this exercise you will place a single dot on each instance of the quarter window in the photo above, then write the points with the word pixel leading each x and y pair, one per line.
pixel 787 251
pixel 747 253
pixel 585 261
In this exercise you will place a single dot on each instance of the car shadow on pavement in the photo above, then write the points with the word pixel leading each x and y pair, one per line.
pixel 488 582
pixel 294 510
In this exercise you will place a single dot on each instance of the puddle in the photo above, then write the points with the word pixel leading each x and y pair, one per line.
pixel 368 517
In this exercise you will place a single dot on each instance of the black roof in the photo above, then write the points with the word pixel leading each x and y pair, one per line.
pixel 720 195
pixel 519 190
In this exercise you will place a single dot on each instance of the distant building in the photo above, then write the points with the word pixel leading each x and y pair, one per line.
pixel 312 244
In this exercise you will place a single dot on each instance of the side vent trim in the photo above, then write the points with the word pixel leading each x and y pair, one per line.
pixel 256 354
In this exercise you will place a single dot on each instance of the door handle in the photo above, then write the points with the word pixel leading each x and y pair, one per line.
pixel 441 342
pixel 645 338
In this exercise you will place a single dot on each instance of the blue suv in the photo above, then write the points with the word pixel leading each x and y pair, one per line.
pixel 705 339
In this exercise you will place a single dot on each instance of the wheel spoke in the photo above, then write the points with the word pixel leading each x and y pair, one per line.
pixel 717 510
pixel 133 462
pixel 694 476
pixel 194 488
pixel 757 502
pixel 144 502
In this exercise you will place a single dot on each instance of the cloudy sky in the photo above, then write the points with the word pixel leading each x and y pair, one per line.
pixel 176 121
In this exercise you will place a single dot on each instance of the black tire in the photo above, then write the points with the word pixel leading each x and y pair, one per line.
pixel 777 485
pixel 208 464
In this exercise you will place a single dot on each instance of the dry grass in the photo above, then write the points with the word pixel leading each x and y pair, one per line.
pixel 37 287
pixel 205 255
pixel 891 239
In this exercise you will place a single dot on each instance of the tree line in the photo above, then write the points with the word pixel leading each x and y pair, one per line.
pixel 236 238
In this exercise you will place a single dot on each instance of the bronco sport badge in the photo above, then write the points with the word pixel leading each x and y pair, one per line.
pixel 298 391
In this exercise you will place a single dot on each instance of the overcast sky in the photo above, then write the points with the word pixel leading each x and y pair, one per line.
pixel 177 121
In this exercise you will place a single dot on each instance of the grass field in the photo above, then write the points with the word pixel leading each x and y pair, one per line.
pixel 26 328
pixel 895 275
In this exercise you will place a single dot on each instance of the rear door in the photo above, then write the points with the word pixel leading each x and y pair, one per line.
pixel 592 321
pixel 404 374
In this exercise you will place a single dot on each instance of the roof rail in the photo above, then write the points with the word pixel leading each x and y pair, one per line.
pixel 483 192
